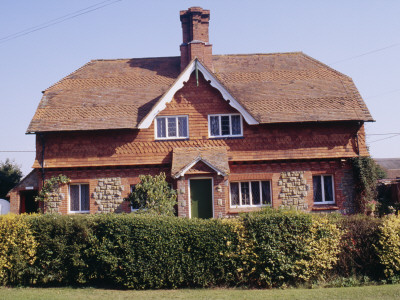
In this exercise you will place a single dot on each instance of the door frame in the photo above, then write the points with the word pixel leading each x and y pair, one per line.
pixel 190 198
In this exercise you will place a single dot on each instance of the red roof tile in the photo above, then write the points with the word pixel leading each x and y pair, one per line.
pixel 273 88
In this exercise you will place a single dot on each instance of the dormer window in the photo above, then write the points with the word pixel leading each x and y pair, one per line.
pixel 171 127
pixel 229 125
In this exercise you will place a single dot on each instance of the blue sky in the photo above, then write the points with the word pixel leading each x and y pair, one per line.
pixel 337 33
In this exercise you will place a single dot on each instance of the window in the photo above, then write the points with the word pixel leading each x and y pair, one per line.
pixel 323 189
pixel 250 193
pixel 79 197
pixel 172 127
pixel 225 125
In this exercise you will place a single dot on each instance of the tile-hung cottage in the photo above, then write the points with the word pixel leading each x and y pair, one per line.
pixel 233 133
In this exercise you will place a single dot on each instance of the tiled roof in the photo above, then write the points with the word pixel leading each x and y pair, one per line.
pixel 215 157
pixel 273 88
pixel 391 166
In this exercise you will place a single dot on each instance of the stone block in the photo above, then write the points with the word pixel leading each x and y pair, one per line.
pixel 220 202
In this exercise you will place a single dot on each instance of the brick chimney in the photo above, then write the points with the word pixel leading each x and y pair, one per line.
pixel 195 37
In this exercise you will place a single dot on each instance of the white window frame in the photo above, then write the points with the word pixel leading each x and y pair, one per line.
pixel 220 126
pixel 323 189
pixel 250 193
pixel 80 211
pixel 166 128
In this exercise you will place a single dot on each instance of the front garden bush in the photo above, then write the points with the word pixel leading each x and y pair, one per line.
pixel 388 247
pixel 358 255
pixel 17 249
pixel 291 247
pixel 271 248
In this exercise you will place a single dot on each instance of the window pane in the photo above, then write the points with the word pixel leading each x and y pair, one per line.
pixel 161 132
pixel 225 125
pixel 255 192
pixel 245 193
pixel 172 127
pixel 214 126
pixel 317 189
pixel 236 130
pixel 328 188
pixel 182 125
pixel 74 197
pixel 266 192
pixel 84 197
pixel 235 193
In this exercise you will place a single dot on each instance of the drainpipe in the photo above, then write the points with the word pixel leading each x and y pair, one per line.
pixel 357 145
pixel 43 142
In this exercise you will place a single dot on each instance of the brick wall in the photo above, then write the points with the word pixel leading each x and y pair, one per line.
pixel 340 170
pixel 274 172
pixel 119 181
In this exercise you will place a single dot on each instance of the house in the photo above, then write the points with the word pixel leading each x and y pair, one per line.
pixel 389 187
pixel 233 133
pixel 391 167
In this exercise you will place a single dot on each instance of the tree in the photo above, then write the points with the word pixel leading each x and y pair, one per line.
pixel 153 196
pixel 10 176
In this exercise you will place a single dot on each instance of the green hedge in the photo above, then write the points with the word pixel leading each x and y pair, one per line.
pixel 358 255
pixel 130 251
pixel 266 249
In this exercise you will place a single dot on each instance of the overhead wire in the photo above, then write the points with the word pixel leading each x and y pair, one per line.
pixel 366 53
pixel 58 20
pixel 12 151
pixel 386 138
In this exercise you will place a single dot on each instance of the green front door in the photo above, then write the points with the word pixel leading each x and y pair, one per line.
pixel 201 198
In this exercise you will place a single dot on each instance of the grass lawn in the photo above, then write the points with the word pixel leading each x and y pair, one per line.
pixel 367 292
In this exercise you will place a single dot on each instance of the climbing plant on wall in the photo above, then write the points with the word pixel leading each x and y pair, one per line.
pixel 366 175
pixel 51 186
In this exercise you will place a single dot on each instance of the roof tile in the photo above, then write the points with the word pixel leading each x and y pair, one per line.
pixel 273 88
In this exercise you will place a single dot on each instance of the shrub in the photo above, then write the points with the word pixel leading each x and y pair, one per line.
pixel 153 196
pixel 321 250
pixel 358 255
pixel 264 249
pixel 388 247
pixel 63 249
pixel 142 251
pixel 17 248
pixel 287 245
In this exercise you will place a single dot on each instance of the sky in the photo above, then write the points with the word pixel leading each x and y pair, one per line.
pixel 359 38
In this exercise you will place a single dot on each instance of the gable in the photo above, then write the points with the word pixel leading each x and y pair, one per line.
pixel 195 66
pixel 213 159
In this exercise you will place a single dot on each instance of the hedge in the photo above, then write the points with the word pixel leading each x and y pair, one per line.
pixel 266 249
